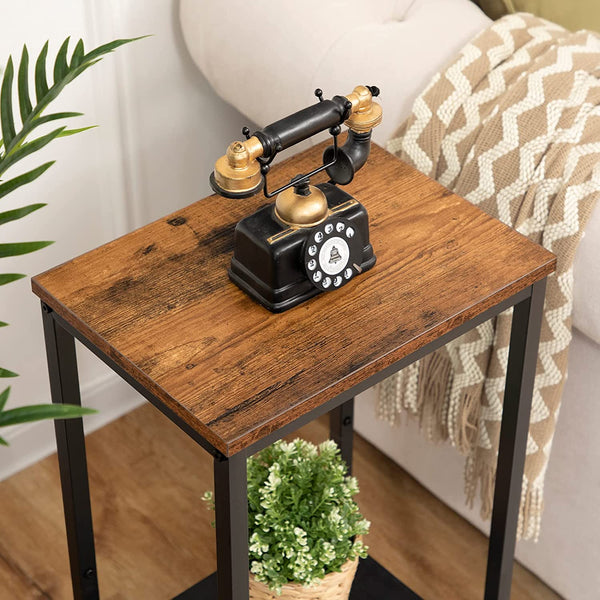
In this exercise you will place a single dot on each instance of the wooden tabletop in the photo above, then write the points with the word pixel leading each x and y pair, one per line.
pixel 158 301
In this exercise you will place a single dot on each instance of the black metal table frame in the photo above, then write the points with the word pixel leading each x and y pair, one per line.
pixel 230 472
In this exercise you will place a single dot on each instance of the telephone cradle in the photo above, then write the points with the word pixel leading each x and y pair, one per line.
pixel 313 238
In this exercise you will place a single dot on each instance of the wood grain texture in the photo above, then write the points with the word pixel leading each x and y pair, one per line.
pixel 158 301
pixel 153 534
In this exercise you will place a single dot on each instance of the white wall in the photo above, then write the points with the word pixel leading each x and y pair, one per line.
pixel 160 129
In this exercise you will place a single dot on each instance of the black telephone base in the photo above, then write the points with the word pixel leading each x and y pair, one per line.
pixel 270 261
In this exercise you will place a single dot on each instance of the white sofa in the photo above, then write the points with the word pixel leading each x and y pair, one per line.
pixel 266 58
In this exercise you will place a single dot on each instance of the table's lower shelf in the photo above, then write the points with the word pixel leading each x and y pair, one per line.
pixel 372 582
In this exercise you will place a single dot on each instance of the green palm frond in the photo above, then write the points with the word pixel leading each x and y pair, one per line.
pixel 16 182
pixel 4 398
pixel 16 145
pixel 19 213
pixel 18 248
pixel 37 412
pixel 9 278
pixel 7 373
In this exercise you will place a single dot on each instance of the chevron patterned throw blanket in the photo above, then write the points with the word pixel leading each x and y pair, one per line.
pixel 513 126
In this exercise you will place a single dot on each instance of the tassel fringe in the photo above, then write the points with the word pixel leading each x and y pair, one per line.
pixel 434 381
pixel 479 474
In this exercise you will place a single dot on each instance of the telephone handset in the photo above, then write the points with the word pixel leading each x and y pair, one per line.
pixel 314 238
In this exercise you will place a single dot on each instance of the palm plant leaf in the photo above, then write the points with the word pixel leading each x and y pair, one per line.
pixel 4 398
pixel 9 278
pixel 37 412
pixel 68 132
pixel 24 150
pixel 12 184
pixel 110 46
pixel 6 113
pixel 41 84
pixel 77 54
pixel 18 213
pixel 23 83
pixel 18 248
pixel 61 68
pixel 7 373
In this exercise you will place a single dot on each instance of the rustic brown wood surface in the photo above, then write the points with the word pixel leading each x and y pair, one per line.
pixel 153 534
pixel 159 302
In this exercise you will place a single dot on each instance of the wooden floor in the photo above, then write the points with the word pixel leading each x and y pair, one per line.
pixel 147 478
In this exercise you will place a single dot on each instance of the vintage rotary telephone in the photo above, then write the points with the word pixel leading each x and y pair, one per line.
pixel 313 238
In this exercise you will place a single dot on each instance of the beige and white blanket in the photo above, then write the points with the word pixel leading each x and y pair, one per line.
pixel 513 126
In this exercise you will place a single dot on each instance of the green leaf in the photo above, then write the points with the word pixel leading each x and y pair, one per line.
pixel 38 412
pixel 28 177
pixel 54 116
pixel 28 148
pixel 68 132
pixel 77 57
pixel 18 213
pixel 7 373
pixel 61 68
pixel 3 442
pixel 106 48
pixel 9 278
pixel 2 323
pixel 24 101
pixel 18 248
pixel 41 84
pixel 4 397
pixel 6 113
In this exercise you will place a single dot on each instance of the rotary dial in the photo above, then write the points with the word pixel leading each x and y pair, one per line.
pixel 333 254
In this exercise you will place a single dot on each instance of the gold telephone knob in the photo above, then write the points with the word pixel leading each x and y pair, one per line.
pixel 302 205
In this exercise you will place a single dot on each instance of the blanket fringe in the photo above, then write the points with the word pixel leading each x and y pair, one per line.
pixel 463 422
pixel 434 381
pixel 479 474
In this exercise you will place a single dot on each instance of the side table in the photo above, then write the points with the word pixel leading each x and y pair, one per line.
pixel 156 306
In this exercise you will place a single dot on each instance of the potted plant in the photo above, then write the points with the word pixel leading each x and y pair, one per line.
pixel 305 529
pixel 15 144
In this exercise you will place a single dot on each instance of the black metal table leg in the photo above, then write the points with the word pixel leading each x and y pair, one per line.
pixel 341 430
pixel 70 442
pixel 231 512
pixel 522 360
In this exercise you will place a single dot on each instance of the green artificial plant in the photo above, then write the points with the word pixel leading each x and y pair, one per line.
pixel 303 522
pixel 16 145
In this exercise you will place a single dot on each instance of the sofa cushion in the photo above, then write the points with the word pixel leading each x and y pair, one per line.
pixel 266 58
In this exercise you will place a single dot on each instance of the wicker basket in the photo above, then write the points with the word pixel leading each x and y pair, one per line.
pixel 334 586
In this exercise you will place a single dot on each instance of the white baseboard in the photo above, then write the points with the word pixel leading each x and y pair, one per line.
pixel 34 441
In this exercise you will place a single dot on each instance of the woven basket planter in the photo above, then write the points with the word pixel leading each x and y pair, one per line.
pixel 334 586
